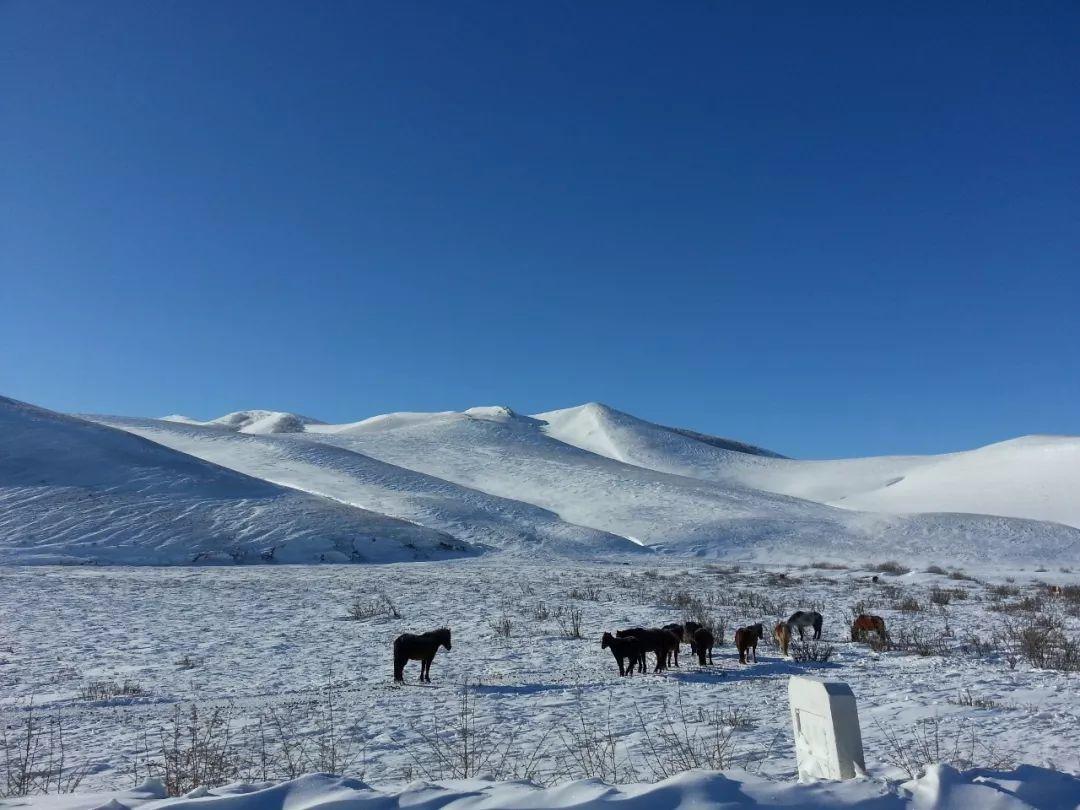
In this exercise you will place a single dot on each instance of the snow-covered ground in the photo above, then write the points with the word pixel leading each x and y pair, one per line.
pixel 266 641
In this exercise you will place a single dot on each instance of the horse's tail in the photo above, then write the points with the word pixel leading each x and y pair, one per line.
pixel 817 625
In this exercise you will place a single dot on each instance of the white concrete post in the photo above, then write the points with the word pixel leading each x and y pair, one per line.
pixel 828 741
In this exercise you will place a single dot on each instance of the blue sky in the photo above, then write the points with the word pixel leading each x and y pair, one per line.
pixel 814 227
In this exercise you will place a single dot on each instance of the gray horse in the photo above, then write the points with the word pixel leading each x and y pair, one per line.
pixel 802 619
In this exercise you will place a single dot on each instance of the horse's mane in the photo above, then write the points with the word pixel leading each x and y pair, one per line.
pixel 441 633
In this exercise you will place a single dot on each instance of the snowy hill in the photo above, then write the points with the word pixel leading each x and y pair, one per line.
pixel 1034 477
pixel 582 481
pixel 254 421
pixel 75 491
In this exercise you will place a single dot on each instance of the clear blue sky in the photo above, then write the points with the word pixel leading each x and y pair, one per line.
pixel 828 231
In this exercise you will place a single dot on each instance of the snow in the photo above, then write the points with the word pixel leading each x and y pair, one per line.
pixel 73 491
pixel 1030 477
pixel 581 481
pixel 944 788
pixel 268 637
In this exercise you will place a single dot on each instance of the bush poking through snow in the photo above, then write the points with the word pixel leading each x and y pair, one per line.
pixel 810 651
pixel 380 607
pixel 676 742
pixel 940 596
pixel 586 593
pixel 106 690
pixel 33 757
pixel 569 619
pixel 932 741
pixel 457 745
pixel 892 567
pixel 502 626
pixel 909 604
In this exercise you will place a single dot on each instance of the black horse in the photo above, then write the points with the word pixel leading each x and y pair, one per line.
pixel 422 648
pixel 623 649
pixel 654 640
pixel 703 644
pixel 689 629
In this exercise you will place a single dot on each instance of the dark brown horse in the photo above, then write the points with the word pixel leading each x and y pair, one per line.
pixel 746 639
pixel 679 631
pixel 865 624
pixel 626 649
pixel 703 644
pixel 422 648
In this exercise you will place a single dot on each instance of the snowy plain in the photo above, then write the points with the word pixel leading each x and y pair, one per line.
pixel 248 640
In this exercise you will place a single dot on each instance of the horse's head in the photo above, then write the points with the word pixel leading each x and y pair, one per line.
pixel 606 641
pixel 444 637
pixel 759 630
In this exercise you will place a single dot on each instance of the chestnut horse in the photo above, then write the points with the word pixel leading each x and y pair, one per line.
pixel 746 639
pixel 422 648
pixel 865 624
pixel 782 635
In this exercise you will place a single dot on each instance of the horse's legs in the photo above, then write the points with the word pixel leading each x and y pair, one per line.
pixel 755 653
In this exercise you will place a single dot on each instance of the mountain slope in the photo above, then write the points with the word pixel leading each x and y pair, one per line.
pixel 526 459
pixel 75 491
pixel 1032 477
pixel 348 476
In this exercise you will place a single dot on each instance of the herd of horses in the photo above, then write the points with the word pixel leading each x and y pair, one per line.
pixel 630 646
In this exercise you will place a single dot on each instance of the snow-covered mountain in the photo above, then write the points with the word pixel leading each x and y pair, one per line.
pixel 586 480
pixel 76 491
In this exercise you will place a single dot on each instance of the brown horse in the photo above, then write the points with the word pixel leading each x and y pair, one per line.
pixel 422 648
pixel 865 624
pixel 746 639
pixel 623 649
pixel 782 634
pixel 703 644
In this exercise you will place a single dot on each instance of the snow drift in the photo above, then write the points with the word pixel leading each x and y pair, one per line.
pixel 942 788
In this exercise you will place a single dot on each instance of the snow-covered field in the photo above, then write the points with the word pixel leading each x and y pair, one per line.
pixel 275 642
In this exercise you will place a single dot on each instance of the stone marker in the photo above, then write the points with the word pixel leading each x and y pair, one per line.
pixel 828 742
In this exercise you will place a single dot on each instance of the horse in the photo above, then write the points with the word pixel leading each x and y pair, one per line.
pixel 623 649
pixel 652 640
pixel 746 639
pixel 782 636
pixel 689 628
pixel 865 624
pixel 679 631
pixel 703 644
pixel 422 648
pixel 802 619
